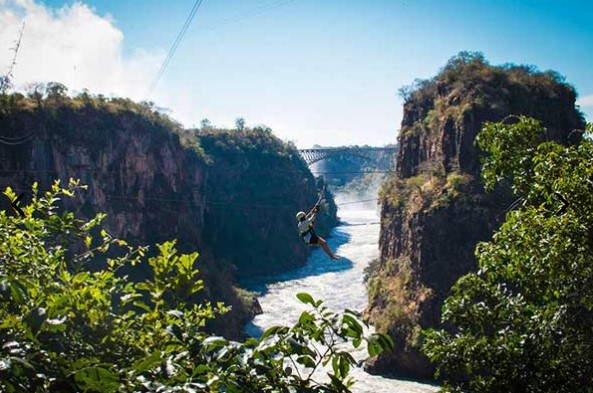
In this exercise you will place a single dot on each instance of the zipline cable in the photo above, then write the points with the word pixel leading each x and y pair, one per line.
pixel 175 44
pixel 248 174
pixel 193 203
pixel 351 172
pixel 247 14
pixel 361 224
pixel 17 138
pixel 351 203
pixel 17 141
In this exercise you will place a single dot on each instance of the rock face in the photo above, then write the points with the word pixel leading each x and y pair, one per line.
pixel 156 183
pixel 256 186
pixel 435 211
pixel 137 171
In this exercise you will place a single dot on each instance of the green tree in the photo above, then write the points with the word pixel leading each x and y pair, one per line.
pixel 69 325
pixel 56 91
pixel 205 125
pixel 524 321
pixel 86 97
pixel 36 92
pixel 240 123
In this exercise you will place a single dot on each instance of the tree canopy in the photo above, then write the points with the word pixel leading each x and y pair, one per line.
pixel 524 321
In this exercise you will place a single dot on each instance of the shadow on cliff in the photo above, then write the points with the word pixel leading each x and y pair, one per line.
pixel 317 264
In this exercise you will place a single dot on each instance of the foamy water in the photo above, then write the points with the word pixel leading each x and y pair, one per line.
pixel 339 284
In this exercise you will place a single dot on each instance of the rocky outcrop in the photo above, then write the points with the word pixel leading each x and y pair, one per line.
pixel 435 211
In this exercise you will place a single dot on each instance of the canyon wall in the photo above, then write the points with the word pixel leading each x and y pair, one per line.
pixel 157 182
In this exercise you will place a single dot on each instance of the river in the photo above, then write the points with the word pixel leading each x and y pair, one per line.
pixel 339 284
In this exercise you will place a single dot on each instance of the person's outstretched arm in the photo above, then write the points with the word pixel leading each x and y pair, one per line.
pixel 313 213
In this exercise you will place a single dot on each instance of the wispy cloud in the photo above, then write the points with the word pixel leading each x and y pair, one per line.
pixel 75 46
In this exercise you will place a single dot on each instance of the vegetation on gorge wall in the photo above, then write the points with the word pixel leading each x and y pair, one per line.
pixel 523 321
pixel 435 209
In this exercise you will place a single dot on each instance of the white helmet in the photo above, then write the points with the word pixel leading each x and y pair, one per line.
pixel 300 215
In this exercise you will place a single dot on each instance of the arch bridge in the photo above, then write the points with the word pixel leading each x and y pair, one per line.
pixel 312 156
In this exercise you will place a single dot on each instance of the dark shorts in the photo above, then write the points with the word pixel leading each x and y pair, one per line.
pixel 314 239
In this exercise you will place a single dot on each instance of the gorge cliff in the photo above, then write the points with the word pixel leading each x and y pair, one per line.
pixel 229 194
pixel 434 210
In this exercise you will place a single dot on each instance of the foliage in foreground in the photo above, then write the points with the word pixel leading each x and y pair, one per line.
pixel 68 324
pixel 524 321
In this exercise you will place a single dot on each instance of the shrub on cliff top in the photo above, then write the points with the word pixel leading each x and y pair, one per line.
pixel 66 329
pixel 92 119
pixel 524 321
pixel 469 78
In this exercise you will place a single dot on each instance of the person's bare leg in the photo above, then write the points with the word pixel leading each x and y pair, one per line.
pixel 325 247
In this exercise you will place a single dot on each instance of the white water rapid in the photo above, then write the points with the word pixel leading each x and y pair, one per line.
pixel 339 284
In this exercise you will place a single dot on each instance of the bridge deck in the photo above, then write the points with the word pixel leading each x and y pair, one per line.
pixel 312 156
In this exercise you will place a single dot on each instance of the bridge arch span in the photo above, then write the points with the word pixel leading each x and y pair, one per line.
pixel 312 156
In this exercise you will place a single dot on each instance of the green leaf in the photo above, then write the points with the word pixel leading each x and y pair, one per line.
pixel 353 324
pixel 148 363
pixel 274 330
pixel 374 348
pixel 335 365
pixel 306 361
pixel 142 305
pixel 200 370
pixel 344 366
pixel 304 297
pixel 18 292
pixel 306 318
pixel 386 341
pixel 97 379
pixel 23 362
pixel 337 383
pixel 214 342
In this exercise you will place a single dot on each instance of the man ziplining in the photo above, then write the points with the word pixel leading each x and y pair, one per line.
pixel 306 221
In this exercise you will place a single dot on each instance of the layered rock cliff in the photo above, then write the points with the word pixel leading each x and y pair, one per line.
pixel 434 210
pixel 134 165
pixel 156 182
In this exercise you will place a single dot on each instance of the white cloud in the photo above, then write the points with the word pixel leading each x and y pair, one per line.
pixel 81 49
pixel 586 101
pixel 75 46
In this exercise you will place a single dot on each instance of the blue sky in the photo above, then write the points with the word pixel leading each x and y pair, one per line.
pixel 328 71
